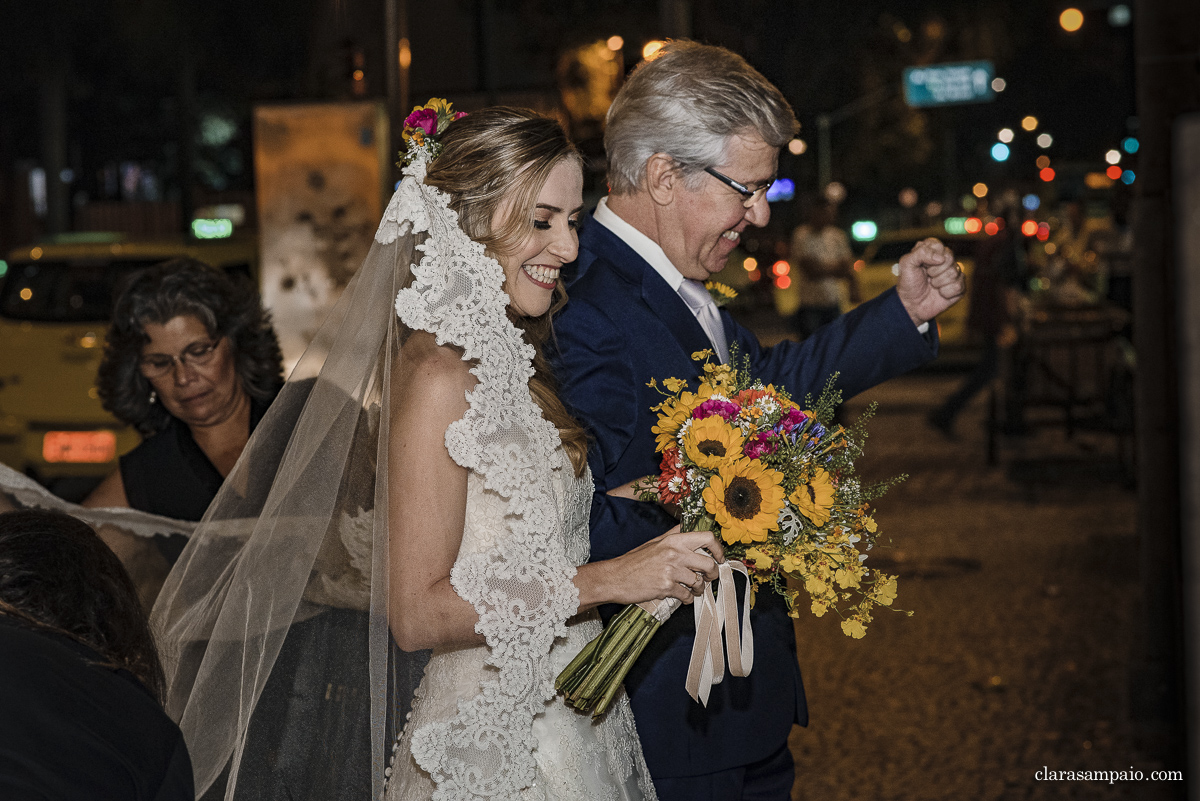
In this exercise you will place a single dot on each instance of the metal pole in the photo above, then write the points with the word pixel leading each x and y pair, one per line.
pixel 824 130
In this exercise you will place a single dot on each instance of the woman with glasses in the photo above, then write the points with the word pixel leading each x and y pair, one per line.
pixel 192 363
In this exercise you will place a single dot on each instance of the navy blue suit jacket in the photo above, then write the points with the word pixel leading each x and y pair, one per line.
pixel 623 326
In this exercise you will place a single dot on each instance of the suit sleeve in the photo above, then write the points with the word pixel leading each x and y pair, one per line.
pixel 599 386
pixel 866 347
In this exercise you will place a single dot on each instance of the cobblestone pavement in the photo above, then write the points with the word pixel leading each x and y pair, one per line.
pixel 1016 658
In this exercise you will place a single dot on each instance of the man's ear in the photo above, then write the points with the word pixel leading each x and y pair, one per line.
pixel 662 178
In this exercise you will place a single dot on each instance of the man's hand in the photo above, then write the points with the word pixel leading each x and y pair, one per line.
pixel 930 281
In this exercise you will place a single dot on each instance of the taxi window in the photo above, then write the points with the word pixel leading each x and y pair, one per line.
pixel 60 291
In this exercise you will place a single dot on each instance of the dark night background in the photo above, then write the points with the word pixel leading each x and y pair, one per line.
pixel 1055 612
pixel 129 68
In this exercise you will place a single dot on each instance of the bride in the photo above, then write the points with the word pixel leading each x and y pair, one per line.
pixel 434 491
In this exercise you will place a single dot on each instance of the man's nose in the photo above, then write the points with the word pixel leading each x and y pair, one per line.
pixel 759 213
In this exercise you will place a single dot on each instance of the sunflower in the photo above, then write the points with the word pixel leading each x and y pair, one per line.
pixel 814 500
pixel 673 413
pixel 745 498
pixel 711 442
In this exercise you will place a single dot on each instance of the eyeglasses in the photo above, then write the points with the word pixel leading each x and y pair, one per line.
pixel 751 195
pixel 197 354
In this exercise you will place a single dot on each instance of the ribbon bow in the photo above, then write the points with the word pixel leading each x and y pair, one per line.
pixel 707 666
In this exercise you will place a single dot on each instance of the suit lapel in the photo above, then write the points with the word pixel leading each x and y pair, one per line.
pixel 663 301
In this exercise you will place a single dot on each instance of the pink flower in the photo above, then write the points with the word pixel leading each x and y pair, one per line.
pixel 793 418
pixel 458 115
pixel 423 118
pixel 725 409
pixel 758 446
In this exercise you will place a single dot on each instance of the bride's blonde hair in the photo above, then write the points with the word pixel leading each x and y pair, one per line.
pixel 502 156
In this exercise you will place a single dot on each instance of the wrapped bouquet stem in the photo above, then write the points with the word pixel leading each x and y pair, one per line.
pixel 776 483
pixel 592 679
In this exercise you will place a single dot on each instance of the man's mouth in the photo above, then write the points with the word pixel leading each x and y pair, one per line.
pixel 542 275
pixel 732 236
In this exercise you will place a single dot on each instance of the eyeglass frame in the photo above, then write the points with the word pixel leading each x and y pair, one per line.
pixel 750 196
pixel 183 359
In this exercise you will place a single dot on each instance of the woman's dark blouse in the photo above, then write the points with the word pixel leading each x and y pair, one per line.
pixel 71 727
pixel 169 475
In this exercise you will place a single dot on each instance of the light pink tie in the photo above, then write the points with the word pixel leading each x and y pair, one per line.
pixel 705 310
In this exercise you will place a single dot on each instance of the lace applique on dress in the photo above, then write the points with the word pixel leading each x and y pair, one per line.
pixel 523 587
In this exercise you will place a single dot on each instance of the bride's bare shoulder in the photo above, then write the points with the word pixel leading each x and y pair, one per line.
pixel 435 373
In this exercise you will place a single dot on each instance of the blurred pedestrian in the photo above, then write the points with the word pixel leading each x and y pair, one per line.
pixel 999 273
pixel 823 262
pixel 80 680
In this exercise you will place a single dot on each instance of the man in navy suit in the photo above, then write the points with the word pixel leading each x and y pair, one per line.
pixel 692 143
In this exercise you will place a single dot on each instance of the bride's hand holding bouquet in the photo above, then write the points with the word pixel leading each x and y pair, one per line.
pixel 776 483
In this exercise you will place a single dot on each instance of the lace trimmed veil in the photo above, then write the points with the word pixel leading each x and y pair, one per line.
pixel 274 623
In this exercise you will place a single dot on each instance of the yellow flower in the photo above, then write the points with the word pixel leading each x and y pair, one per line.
pixel 854 628
pixel 762 561
pixel 674 384
pixel 745 498
pixel 673 413
pixel 712 442
pixel 847 577
pixel 814 500
pixel 816 586
pixel 885 589
pixel 721 293
pixel 439 104
pixel 790 563
pixel 870 525
pixel 719 377
pixel 819 608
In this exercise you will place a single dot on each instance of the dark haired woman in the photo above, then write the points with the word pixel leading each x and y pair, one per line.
pixel 80 678
pixel 192 363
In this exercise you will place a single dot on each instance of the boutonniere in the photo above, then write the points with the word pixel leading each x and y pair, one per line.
pixel 721 293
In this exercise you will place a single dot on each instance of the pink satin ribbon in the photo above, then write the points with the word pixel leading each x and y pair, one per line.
pixel 707 665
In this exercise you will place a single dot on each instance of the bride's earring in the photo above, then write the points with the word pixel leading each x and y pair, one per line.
pixel 153 397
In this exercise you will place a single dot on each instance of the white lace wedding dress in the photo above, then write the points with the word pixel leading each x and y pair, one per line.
pixel 575 758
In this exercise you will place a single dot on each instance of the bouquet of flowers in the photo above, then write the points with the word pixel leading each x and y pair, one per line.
pixel 422 126
pixel 776 483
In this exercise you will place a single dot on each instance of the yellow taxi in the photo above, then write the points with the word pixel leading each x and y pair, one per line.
pixel 55 304
pixel 877 272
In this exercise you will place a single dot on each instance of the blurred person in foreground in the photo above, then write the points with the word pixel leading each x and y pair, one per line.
pixel 80 680
pixel 191 361
pixel 823 260
pixel 693 142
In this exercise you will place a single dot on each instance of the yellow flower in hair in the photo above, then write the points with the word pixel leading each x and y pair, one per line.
pixel 814 500
pixel 711 442
pixel 745 498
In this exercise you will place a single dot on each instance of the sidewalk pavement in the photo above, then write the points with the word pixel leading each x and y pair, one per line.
pixel 1023 585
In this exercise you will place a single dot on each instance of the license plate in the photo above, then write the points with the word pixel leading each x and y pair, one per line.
pixel 91 447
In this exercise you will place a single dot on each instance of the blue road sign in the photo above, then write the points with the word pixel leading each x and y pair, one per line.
pixel 948 84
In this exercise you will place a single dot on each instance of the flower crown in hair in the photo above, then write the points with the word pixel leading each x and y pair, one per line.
pixel 423 126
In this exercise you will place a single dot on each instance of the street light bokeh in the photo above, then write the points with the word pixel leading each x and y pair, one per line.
pixel 1071 20
pixel 1029 123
